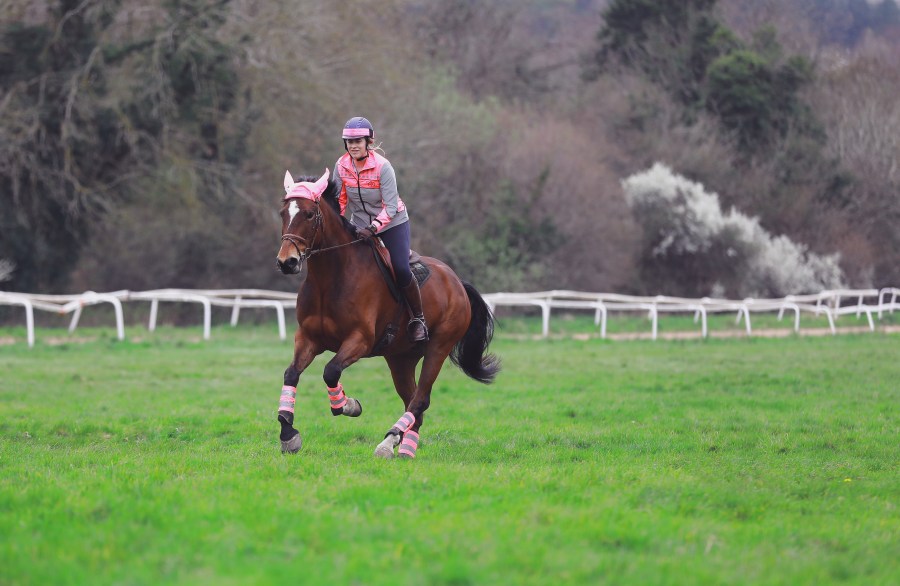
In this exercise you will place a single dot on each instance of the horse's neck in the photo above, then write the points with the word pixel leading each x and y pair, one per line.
pixel 333 231
pixel 331 269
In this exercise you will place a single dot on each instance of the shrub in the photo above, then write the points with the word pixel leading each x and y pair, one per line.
pixel 6 269
pixel 691 246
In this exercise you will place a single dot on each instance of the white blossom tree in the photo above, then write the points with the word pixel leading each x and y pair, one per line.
pixel 698 248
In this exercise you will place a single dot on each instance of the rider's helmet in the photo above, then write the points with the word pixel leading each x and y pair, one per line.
pixel 358 127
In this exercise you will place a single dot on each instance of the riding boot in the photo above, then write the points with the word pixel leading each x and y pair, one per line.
pixel 416 329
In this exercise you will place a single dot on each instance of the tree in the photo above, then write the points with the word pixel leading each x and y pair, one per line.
pixel 857 100
pixel 758 99
pixel 89 114
pixel 672 43
pixel 52 79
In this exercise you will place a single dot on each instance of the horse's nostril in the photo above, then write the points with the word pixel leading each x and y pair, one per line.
pixel 288 266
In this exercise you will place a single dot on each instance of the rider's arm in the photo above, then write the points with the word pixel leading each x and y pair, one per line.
pixel 390 198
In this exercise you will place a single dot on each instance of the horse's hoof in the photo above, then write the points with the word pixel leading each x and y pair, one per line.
pixel 385 452
pixel 291 446
pixel 353 408
pixel 386 448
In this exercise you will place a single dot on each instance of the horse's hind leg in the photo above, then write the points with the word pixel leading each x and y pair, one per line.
pixel 406 430
pixel 403 371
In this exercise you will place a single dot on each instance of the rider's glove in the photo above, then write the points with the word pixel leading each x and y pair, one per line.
pixel 365 233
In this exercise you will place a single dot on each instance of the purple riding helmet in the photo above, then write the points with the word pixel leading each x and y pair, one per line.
pixel 358 127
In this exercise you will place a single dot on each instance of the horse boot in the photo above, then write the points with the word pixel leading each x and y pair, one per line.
pixel 416 329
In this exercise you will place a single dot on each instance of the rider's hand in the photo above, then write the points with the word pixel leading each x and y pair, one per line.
pixel 365 233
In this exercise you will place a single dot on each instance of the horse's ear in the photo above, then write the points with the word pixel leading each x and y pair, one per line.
pixel 288 181
pixel 320 185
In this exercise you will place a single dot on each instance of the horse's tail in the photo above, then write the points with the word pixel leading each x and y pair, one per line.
pixel 469 352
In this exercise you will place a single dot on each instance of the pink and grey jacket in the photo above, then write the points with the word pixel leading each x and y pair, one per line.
pixel 369 197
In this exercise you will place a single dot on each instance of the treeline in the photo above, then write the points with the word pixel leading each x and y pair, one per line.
pixel 142 143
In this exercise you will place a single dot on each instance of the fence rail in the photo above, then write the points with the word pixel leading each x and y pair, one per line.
pixel 832 304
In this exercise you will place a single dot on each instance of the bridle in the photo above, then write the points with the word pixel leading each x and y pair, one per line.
pixel 310 251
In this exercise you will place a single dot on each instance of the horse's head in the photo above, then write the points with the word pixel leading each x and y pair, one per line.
pixel 301 221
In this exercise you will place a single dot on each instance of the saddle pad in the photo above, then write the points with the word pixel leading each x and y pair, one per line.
pixel 420 270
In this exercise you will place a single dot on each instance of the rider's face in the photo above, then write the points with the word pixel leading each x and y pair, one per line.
pixel 357 147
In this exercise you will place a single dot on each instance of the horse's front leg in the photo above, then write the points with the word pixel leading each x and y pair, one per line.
pixel 304 352
pixel 354 348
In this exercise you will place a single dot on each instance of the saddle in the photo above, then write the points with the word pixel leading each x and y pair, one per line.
pixel 420 270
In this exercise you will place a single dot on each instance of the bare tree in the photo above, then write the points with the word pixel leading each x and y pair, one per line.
pixel 503 48
pixel 856 98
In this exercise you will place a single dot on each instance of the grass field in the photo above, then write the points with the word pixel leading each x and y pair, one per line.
pixel 746 461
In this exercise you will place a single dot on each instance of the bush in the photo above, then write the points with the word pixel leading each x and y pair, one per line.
pixel 691 246
pixel 6 269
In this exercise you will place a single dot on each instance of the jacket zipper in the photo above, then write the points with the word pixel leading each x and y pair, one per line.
pixel 359 191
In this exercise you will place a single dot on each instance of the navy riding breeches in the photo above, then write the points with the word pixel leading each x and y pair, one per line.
pixel 396 240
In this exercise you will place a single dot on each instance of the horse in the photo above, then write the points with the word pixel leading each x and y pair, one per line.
pixel 345 306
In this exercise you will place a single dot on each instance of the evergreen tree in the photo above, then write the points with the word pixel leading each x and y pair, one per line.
pixel 757 99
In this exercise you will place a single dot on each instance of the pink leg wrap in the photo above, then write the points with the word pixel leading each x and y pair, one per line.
pixel 288 398
pixel 337 397
pixel 405 422
pixel 409 445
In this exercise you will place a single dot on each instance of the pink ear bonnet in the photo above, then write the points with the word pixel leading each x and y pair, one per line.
pixel 305 189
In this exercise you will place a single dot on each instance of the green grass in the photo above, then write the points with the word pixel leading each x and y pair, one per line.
pixel 747 461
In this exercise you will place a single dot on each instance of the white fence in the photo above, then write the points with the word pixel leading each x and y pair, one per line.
pixel 831 304
pixel 236 299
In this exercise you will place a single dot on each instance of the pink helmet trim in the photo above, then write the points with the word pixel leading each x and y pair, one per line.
pixel 356 132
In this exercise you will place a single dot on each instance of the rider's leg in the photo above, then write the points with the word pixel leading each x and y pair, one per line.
pixel 416 328
pixel 397 242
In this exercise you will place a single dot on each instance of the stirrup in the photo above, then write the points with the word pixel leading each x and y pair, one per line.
pixel 411 325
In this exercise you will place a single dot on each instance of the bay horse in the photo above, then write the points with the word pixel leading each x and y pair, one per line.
pixel 345 306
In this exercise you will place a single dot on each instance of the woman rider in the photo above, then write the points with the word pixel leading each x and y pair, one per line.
pixel 369 197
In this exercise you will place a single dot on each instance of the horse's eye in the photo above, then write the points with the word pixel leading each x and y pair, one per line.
pixel 309 215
